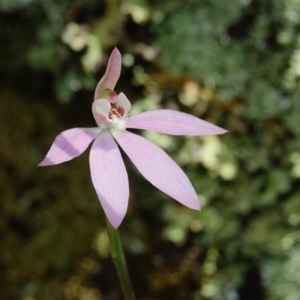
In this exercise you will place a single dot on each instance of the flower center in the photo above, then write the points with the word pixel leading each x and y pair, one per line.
pixel 116 111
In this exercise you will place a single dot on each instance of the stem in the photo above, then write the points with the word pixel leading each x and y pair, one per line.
pixel 119 261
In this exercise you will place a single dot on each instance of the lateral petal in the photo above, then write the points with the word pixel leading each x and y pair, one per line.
pixel 173 122
pixel 69 144
pixel 100 110
pixel 109 177
pixel 112 74
pixel 125 103
pixel 158 168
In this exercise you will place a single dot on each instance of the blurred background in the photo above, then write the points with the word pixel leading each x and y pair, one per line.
pixel 235 63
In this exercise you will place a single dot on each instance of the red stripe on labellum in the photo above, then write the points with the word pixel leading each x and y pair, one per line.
pixel 116 111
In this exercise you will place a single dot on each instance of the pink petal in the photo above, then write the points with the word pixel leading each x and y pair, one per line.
pixel 158 168
pixel 69 144
pixel 173 122
pixel 112 74
pixel 109 177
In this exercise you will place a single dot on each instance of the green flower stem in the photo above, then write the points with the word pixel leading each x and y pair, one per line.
pixel 119 261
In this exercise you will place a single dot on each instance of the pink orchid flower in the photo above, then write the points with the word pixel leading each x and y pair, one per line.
pixel 108 172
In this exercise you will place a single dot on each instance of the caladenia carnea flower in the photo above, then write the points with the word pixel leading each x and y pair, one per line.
pixel 109 176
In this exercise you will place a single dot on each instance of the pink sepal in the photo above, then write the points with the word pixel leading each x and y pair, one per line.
pixel 173 122
pixel 112 74
pixel 158 168
pixel 109 177
pixel 69 144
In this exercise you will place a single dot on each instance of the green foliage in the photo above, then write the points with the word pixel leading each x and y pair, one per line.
pixel 242 49
pixel 246 238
